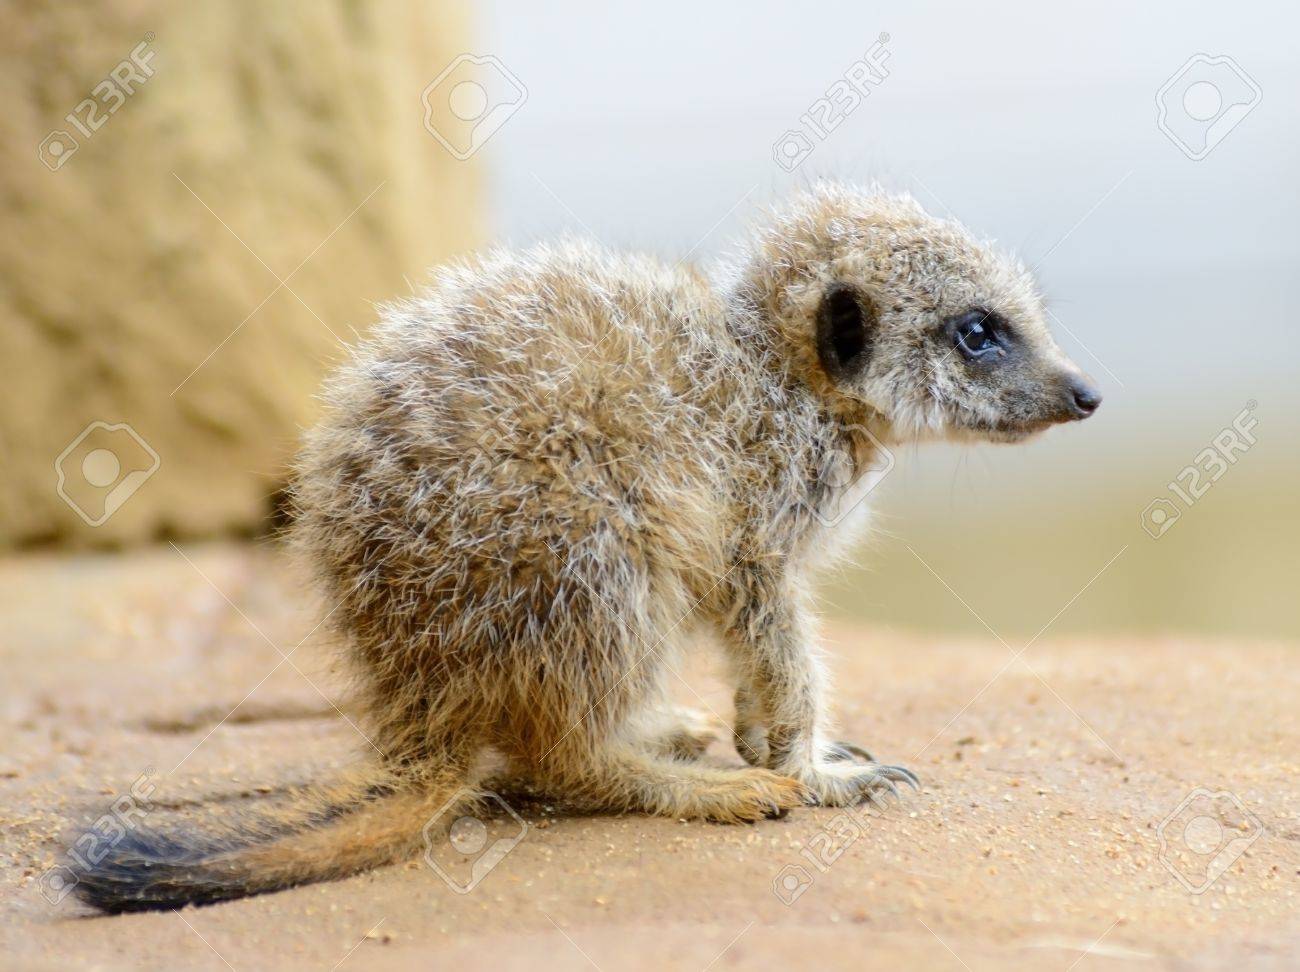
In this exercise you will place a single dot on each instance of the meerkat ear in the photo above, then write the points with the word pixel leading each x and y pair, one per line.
pixel 846 323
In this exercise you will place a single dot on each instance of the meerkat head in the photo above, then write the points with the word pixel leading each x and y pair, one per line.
pixel 910 320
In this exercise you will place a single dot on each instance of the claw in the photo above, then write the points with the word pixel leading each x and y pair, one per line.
pixel 854 750
pixel 838 753
pixel 878 779
pixel 900 773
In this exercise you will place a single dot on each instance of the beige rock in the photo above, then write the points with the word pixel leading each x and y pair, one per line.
pixel 140 280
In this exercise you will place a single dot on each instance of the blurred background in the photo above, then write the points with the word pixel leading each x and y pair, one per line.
pixel 203 203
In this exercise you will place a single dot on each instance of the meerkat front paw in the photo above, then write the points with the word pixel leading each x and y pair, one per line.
pixel 749 734
pixel 751 744
pixel 843 783
pixel 690 737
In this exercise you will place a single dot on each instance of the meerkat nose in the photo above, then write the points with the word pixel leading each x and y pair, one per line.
pixel 1086 398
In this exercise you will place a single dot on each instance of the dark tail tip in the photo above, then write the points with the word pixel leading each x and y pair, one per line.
pixel 146 871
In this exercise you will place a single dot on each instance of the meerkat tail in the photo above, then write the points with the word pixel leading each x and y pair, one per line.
pixel 322 836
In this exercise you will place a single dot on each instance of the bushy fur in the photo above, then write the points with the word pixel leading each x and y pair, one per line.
pixel 538 477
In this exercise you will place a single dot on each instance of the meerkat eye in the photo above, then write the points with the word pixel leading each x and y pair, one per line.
pixel 977 333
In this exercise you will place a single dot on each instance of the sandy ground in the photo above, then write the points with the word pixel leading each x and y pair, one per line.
pixel 1034 843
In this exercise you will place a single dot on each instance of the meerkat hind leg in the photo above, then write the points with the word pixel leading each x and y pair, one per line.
pixel 624 777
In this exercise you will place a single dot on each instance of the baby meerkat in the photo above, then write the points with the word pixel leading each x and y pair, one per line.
pixel 540 477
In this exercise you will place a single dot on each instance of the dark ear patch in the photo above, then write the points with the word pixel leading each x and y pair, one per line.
pixel 846 322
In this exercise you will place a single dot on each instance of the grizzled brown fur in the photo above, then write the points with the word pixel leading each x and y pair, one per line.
pixel 542 477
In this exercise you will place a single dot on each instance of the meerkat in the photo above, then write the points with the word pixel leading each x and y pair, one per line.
pixel 540 478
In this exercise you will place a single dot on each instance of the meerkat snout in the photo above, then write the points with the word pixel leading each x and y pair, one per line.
pixel 1085 398
pixel 1072 396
